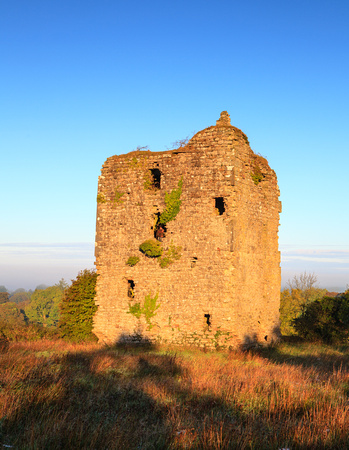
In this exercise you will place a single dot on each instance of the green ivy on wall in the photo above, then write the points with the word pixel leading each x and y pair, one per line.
pixel 170 256
pixel 173 203
pixel 148 310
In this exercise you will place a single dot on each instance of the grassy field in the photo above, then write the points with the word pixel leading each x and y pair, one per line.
pixel 55 395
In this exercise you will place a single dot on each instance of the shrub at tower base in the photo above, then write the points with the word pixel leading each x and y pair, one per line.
pixel 325 320
pixel 78 308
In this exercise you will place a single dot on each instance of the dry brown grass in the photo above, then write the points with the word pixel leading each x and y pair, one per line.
pixel 55 395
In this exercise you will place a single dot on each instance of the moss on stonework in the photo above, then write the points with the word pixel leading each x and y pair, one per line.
pixel 134 162
pixel 256 174
pixel 117 197
pixel 148 181
pixel 132 261
pixel 101 198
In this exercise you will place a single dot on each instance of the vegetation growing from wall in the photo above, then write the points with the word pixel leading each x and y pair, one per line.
pixel 181 143
pixel 117 200
pixel 101 198
pixel 148 310
pixel 256 174
pixel 173 203
pixel 151 248
pixel 78 308
pixel 132 261
pixel 170 256
pixel 117 197
pixel 148 181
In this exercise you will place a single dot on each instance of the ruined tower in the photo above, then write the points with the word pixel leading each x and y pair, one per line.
pixel 187 244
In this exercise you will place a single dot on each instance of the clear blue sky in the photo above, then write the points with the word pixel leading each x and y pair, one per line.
pixel 84 80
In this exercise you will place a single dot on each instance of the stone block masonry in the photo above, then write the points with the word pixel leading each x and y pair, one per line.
pixel 215 277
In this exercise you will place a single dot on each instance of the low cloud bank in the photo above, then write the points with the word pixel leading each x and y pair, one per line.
pixel 27 265
pixel 330 264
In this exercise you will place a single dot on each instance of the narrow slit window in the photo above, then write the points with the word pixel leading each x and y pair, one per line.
pixel 219 205
pixel 130 288
pixel 156 178
pixel 208 319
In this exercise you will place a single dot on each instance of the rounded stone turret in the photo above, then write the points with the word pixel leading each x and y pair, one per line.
pixel 224 120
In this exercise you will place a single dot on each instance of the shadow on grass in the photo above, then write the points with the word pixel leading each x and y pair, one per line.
pixel 296 352
pixel 127 397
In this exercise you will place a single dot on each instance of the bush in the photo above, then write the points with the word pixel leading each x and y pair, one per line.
pixel 325 320
pixel 78 308
pixel 292 303
pixel 151 248
pixel 26 332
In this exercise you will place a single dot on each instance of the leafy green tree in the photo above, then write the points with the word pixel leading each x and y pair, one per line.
pixel 304 282
pixel 3 289
pixel 20 297
pixel 41 287
pixel 302 290
pixel 44 306
pixel 19 290
pixel 62 284
pixel 10 314
pixel 325 320
pixel 78 308
pixel 4 297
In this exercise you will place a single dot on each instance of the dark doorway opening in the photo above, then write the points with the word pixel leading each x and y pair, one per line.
pixel 130 288
pixel 208 319
pixel 219 205
pixel 156 178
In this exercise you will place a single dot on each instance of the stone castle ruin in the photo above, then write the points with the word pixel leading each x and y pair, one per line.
pixel 187 244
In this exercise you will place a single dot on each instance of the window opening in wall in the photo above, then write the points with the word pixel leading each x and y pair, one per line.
pixel 160 232
pixel 219 205
pixel 208 319
pixel 130 288
pixel 193 261
pixel 159 229
pixel 156 177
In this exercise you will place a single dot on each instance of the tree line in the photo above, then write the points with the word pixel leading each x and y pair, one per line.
pixel 61 310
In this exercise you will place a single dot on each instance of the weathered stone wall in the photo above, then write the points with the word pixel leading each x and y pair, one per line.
pixel 225 287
